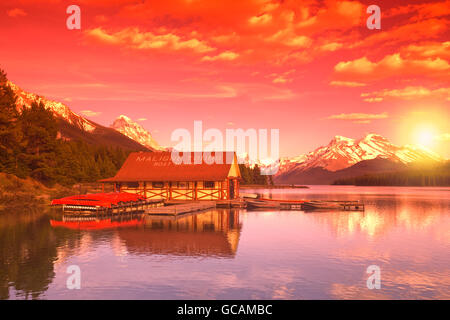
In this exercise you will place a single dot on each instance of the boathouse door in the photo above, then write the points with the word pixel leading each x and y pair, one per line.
pixel 231 189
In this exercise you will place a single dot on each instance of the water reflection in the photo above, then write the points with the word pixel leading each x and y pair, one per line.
pixel 383 216
pixel 386 208
pixel 279 254
pixel 97 223
pixel 28 249
pixel 212 233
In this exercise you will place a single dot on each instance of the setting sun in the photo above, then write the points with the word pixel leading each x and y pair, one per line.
pixel 425 137
pixel 426 126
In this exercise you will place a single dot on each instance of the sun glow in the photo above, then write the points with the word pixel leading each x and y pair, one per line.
pixel 425 127
pixel 425 137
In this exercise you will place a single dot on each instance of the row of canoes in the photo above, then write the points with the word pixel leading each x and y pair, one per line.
pixel 98 201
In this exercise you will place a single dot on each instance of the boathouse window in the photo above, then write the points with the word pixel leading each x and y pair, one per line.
pixel 208 184
pixel 182 185
pixel 132 184
pixel 158 184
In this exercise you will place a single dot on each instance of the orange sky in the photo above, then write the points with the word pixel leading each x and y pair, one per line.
pixel 309 68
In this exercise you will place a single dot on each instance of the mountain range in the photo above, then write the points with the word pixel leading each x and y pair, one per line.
pixel 342 157
pixel 73 126
pixel 345 157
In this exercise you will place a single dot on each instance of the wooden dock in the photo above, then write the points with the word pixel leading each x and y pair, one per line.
pixel 235 203
pixel 304 205
pixel 333 205
pixel 176 209
pixel 137 206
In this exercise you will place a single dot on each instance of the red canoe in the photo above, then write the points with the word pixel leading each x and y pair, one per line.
pixel 98 199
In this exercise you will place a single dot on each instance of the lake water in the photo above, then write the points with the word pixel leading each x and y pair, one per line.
pixel 239 254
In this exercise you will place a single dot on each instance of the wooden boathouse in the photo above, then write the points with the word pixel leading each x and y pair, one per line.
pixel 155 175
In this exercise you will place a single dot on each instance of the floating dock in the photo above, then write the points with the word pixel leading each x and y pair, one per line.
pixel 333 205
pixel 262 203
pixel 176 209
pixel 305 205
pixel 235 203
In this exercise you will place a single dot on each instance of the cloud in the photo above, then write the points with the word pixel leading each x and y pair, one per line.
pixel 420 11
pixel 361 65
pixel 298 41
pixel 226 56
pixel 333 15
pixel 370 100
pixel 391 65
pixel 407 93
pixel 408 32
pixel 444 137
pixel 282 77
pixel 142 119
pixel 90 113
pixel 140 40
pixel 103 3
pixel 289 37
pixel 428 49
pixel 331 46
pixel 259 20
pixel 359 117
pixel 16 12
pixel 347 84
pixel 226 38
pixel 262 30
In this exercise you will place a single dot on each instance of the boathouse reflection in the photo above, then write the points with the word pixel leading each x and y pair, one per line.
pixel 214 233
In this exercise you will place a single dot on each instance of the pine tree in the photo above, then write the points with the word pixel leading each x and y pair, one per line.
pixel 39 129
pixel 9 132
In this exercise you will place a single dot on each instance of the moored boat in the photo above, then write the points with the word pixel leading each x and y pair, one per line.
pixel 333 205
pixel 262 204
pixel 305 205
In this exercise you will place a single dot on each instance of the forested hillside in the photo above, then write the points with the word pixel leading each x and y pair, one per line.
pixel 253 176
pixel 438 175
pixel 29 146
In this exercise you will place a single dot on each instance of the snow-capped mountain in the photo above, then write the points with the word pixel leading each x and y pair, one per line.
pixel 60 110
pixel 136 132
pixel 344 152
pixel 74 126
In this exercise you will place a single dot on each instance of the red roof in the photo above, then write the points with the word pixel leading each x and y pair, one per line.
pixel 158 166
